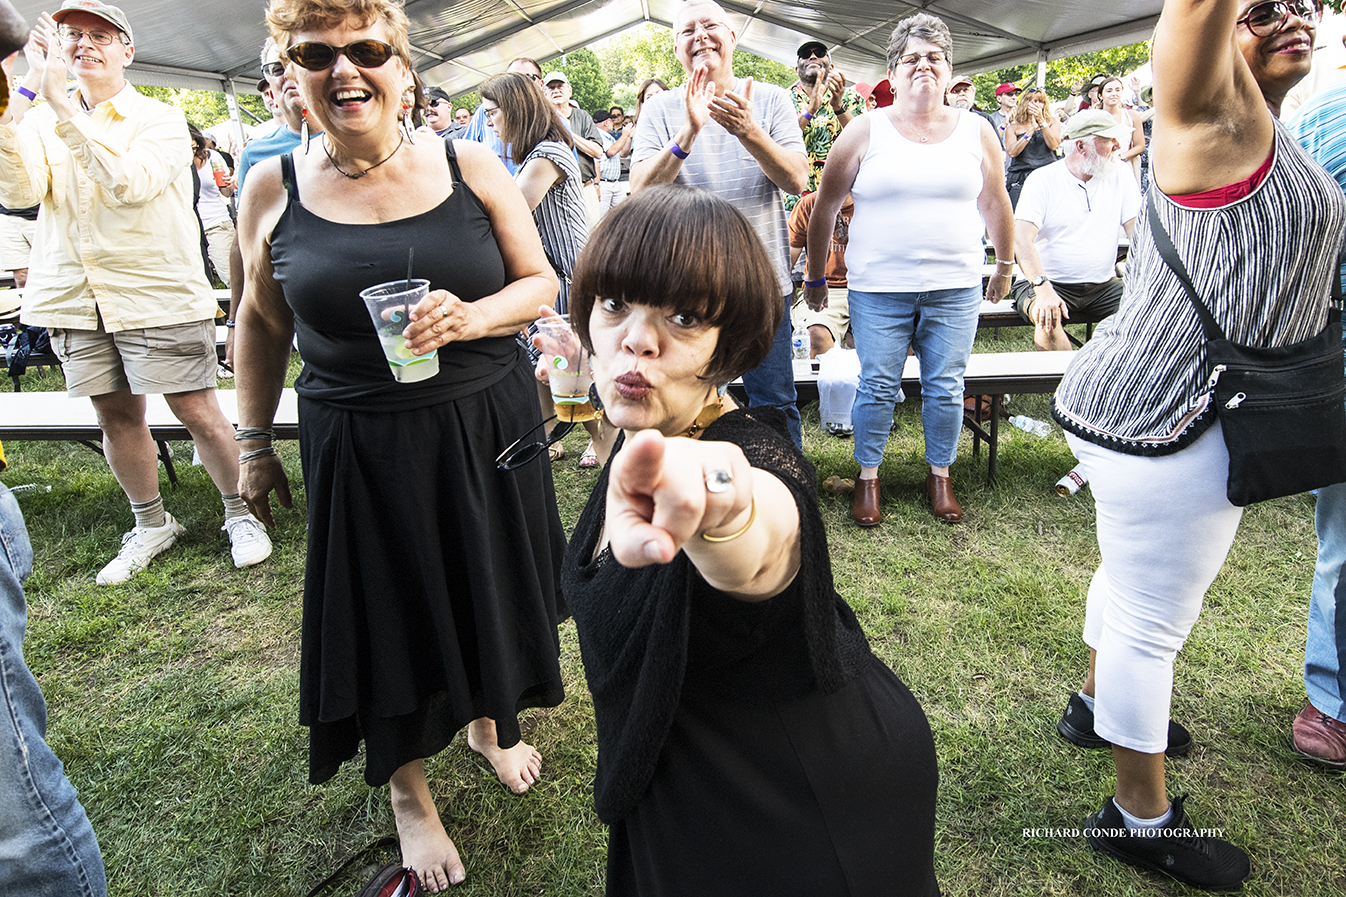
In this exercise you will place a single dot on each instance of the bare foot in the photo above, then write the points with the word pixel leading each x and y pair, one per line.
pixel 426 847
pixel 517 767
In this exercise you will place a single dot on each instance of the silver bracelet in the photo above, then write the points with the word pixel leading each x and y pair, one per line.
pixel 257 453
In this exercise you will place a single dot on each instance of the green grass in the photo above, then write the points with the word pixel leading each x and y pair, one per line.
pixel 173 699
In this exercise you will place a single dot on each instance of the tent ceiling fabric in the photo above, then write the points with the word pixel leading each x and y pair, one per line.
pixel 460 44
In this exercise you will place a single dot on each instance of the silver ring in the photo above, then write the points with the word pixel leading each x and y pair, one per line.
pixel 443 312
pixel 718 481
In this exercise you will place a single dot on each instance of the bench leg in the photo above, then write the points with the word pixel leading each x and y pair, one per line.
pixel 993 443
pixel 166 456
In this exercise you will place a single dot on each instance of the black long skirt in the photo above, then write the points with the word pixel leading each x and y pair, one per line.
pixel 430 590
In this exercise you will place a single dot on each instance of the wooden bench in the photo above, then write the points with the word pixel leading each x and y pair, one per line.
pixel 990 374
pixel 55 416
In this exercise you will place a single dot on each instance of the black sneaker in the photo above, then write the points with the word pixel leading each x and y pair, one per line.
pixel 1076 725
pixel 1177 850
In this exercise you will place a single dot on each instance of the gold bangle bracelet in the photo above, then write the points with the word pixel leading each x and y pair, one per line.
pixel 752 515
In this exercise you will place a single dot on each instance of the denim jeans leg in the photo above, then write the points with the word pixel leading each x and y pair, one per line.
pixel 882 324
pixel 945 329
pixel 772 383
pixel 47 847
pixel 1325 647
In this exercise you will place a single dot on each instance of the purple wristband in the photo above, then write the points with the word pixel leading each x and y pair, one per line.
pixel 808 116
pixel 676 150
pixel 814 284
pixel 25 92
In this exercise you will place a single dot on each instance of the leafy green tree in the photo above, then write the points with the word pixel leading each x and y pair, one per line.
pixel 759 68
pixel 1062 73
pixel 206 108
pixel 589 88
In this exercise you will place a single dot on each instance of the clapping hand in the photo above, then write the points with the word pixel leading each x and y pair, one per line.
pixel 658 497
pixel 700 93
pixel 733 112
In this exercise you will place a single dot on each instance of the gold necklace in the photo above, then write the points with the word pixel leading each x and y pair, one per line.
pixel 359 174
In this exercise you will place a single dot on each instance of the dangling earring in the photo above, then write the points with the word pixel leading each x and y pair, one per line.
pixel 407 126
pixel 303 128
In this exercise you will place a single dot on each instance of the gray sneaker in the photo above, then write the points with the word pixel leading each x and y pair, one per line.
pixel 139 547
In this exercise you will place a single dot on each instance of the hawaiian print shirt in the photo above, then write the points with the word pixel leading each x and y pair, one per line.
pixel 822 131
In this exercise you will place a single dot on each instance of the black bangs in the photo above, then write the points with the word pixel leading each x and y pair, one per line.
pixel 685 250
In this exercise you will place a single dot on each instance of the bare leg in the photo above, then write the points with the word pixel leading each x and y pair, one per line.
pixel 937 471
pixel 127 443
pixel 426 847
pixel 1141 789
pixel 820 340
pixel 602 446
pixel 870 473
pixel 1054 340
pixel 200 412
pixel 516 767
pixel 1089 680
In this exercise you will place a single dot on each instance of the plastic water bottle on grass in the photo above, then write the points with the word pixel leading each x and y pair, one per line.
pixel 799 343
pixel 1029 425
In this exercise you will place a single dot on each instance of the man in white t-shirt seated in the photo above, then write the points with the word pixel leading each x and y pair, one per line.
pixel 1065 230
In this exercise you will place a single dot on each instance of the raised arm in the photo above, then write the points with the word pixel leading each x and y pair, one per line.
pixel 658 165
pixel 779 151
pixel 1212 125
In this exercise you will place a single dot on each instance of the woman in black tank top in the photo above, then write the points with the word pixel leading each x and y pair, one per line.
pixel 430 586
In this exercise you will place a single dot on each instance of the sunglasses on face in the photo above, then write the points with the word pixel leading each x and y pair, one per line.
pixel 315 56
pixel 1268 18
pixel 274 70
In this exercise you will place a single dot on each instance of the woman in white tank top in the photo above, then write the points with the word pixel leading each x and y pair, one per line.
pixel 927 180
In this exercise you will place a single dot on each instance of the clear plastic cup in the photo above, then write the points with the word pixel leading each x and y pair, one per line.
pixel 390 306
pixel 568 373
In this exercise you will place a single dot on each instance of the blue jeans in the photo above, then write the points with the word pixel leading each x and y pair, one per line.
pixel 940 325
pixel 47 847
pixel 1325 646
pixel 772 382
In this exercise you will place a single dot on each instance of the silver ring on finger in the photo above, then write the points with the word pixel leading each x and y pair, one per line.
pixel 443 311
pixel 718 480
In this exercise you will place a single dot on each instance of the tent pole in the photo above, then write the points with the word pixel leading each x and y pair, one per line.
pixel 235 123
pixel 1042 69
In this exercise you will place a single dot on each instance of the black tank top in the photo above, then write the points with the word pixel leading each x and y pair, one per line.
pixel 322 266
pixel 1034 156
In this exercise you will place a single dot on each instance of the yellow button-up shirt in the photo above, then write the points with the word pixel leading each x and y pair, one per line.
pixel 116 235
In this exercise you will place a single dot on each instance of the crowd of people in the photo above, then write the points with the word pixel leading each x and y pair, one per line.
pixel 730 680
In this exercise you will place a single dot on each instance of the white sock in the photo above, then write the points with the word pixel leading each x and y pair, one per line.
pixel 1088 701
pixel 234 506
pixel 149 514
pixel 1135 822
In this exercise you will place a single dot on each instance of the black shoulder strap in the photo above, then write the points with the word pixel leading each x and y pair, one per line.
pixel 287 176
pixel 453 160
pixel 1164 244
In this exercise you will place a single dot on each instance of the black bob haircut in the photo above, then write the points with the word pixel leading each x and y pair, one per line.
pixel 685 250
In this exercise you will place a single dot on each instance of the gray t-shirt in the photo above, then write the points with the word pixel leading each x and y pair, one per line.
pixel 718 162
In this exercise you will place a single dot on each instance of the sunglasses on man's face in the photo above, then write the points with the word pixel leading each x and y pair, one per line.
pixel 315 56
pixel 1268 18
pixel 274 70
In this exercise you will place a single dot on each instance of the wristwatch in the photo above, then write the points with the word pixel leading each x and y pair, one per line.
pixel 1038 281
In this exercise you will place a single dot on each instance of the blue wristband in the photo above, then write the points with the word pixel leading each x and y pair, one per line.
pixel 808 116
pixel 676 150
pixel 814 284
pixel 25 92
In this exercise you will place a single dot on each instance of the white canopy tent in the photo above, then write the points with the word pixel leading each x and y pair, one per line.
pixel 214 46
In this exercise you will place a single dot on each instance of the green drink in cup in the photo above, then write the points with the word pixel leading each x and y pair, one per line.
pixel 390 306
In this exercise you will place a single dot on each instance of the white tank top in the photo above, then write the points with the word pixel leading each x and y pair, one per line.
pixel 916 225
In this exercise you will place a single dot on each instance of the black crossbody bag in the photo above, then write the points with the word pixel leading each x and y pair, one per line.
pixel 1281 408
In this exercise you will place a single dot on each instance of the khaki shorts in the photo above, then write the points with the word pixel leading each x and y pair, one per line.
pixel 150 361
pixel 836 317
pixel 16 242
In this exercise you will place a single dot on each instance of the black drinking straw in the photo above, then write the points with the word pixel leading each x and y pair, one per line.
pixel 406 312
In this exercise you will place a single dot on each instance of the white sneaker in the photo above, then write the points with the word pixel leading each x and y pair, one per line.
pixel 248 541
pixel 139 547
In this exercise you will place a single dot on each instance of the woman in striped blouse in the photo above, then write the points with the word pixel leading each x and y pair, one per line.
pixel 1258 225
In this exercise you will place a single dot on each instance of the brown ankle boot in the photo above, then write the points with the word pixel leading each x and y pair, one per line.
pixel 865 502
pixel 942 503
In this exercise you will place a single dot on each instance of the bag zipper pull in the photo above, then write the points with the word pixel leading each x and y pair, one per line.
pixel 1235 400
pixel 1215 375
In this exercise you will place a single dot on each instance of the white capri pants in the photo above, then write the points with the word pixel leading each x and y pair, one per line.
pixel 1164 529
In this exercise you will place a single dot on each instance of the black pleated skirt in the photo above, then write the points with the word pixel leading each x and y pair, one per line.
pixel 430 590
pixel 823 795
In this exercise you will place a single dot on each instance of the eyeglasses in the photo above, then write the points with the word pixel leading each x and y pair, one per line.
pixel 315 56
pixel 274 70
pixel 521 451
pixel 100 38
pixel 490 112
pixel 1268 18
pixel 911 60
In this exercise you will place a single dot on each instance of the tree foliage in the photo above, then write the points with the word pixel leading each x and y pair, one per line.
pixel 206 108
pixel 1063 73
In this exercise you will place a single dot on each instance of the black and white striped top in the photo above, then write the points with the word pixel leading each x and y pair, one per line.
pixel 560 217
pixel 1263 266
